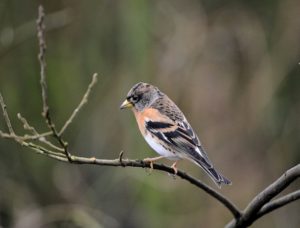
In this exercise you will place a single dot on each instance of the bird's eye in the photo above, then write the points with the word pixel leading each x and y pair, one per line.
pixel 134 98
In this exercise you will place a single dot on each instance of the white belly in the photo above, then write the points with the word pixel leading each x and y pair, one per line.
pixel 160 149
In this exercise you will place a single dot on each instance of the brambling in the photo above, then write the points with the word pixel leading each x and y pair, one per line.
pixel 166 129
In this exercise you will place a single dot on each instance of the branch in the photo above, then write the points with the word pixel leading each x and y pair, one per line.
pixel 249 215
pixel 282 201
pixel 141 164
pixel 272 190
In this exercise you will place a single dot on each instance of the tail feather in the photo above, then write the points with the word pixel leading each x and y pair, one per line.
pixel 201 159
pixel 217 177
pixel 213 174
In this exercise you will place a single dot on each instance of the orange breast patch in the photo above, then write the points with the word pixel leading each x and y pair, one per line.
pixel 148 114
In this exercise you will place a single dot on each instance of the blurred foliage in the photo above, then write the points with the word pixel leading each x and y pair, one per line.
pixel 232 66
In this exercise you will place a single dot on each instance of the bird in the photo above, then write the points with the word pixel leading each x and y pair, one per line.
pixel 167 131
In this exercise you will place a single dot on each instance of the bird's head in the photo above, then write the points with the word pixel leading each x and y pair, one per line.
pixel 140 96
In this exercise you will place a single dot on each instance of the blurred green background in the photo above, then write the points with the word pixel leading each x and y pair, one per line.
pixel 231 66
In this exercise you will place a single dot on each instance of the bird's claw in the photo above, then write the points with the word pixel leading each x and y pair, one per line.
pixel 173 166
pixel 149 160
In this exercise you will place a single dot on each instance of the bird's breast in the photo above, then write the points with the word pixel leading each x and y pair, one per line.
pixel 146 115
pixel 152 140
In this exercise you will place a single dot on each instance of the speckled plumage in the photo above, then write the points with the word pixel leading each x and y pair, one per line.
pixel 166 129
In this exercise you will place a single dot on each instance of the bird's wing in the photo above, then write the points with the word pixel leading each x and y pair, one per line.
pixel 180 137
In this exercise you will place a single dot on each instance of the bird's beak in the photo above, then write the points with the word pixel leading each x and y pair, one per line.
pixel 126 104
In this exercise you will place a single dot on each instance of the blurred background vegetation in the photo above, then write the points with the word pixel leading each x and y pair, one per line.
pixel 231 66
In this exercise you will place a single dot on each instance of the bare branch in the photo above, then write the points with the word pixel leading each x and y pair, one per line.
pixel 42 60
pixel 271 191
pixel 81 104
pixel 141 164
pixel 253 208
pixel 280 202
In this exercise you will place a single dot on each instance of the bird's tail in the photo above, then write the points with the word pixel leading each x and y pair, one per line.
pixel 218 178
pixel 207 166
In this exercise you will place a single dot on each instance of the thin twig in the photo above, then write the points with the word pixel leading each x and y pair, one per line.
pixel 41 57
pixel 44 150
pixel 26 137
pixel 121 158
pixel 26 125
pixel 40 135
pixel 44 140
pixel 41 151
pixel 6 117
pixel 81 104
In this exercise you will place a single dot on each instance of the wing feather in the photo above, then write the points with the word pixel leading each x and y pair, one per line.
pixel 180 137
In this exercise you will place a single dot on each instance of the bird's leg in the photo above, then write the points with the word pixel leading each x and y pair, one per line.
pixel 173 166
pixel 151 160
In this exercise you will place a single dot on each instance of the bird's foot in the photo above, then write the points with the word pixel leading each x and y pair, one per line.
pixel 151 160
pixel 173 166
